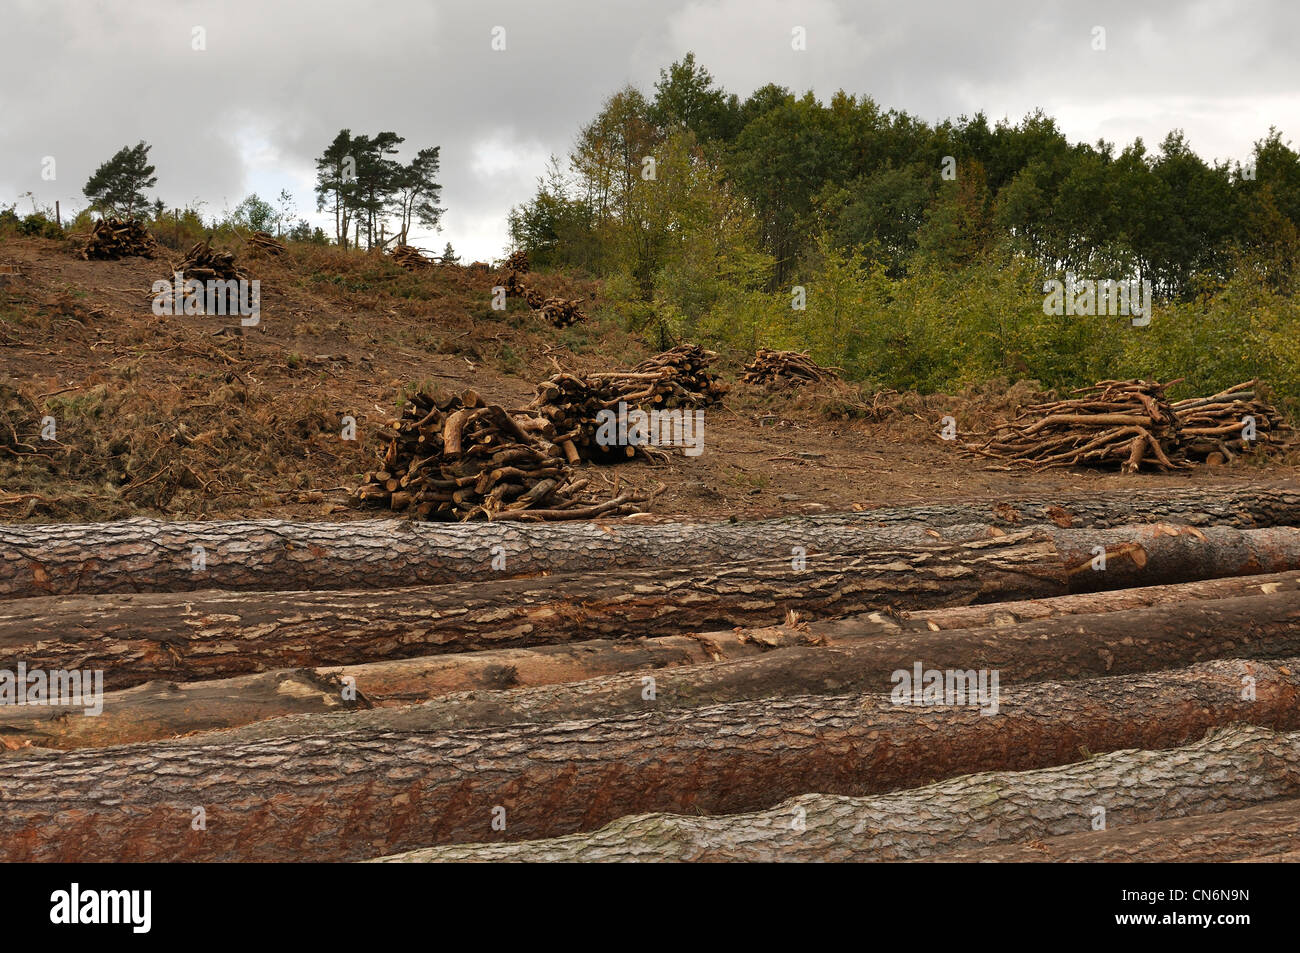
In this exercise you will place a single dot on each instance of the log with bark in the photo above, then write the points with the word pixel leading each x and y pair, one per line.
pixel 188 636
pixel 113 238
pixel 161 709
pixel 145 555
pixel 986 816
pixel 852 656
pixel 1260 832
pixel 456 457
pixel 378 791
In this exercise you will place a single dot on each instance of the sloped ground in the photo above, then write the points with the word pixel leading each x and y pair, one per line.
pixel 193 416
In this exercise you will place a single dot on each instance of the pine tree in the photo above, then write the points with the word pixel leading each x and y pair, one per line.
pixel 117 185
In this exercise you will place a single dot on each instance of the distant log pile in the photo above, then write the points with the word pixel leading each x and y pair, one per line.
pixel 677 378
pixel 114 238
pixel 1213 428
pixel 204 263
pixel 265 241
pixel 409 258
pixel 1132 423
pixel 459 458
pixel 775 369
pixel 559 312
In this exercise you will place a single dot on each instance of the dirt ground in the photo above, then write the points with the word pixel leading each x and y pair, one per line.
pixel 194 417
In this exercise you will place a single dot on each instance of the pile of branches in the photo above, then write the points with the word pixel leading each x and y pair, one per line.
pixel 686 368
pixel 265 241
pixel 677 378
pixel 409 258
pixel 205 263
pixel 1131 423
pixel 1126 422
pixel 784 369
pixel 1215 430
pixel 559 312
pixel 114 238
pixel 460 458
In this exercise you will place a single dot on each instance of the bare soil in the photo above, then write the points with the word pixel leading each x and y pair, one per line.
pixel 193 416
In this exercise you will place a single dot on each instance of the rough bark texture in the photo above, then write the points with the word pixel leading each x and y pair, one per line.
pixel 977 814
pixel 864 661
pixel 161 709
pixel 151 556
pixel 1008 613
pixel 188 636
pixel 375 792
pixel 857 656
pixel 1269 831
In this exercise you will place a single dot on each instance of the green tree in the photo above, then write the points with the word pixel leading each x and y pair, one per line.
pixel 416 192
pixel 118 185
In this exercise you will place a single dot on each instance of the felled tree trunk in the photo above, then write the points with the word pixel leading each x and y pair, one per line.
pixel 860 656
pixel 164 709
pixel 866 661
pixel 976 817
pixel 187 636
pixel 142 555
pixel 1269 831
pixel 160 709
pixel 1006 613
pixel 378 791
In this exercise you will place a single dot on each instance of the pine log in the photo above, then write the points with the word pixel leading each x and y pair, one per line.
pixel 160 709
pixel 143 555
pixel 1269 831
pixel 164 709
pixel 991 815
pixel 378 791
pixel 1008 613
pixel 858 655
pixel 865 660
pixel 189 636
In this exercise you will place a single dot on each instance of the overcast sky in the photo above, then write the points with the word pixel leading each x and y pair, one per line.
pixel 277 80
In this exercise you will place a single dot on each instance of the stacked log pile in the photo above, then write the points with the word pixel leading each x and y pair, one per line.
pixel 459 458
pixel 114 238
pixel 622 715
pixel 778 369
pixel 1217 429
pixel 1132 424
pixel 677 378
pixel 204 263
pixel 409 258
pixel 687 366
pixel 266 242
